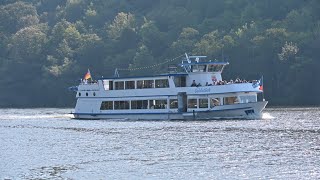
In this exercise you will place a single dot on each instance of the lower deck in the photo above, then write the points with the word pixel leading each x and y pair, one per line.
pixel 180 103
pixel 169 107
pixel 235 111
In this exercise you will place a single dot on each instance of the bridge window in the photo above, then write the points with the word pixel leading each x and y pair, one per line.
pixel 121 104
pixel 199 68
pixel 140 104
pixel 130 85
pixel 215 68
pixel 119 85
pixel 203 103
pixel 162 83
pixel 106 105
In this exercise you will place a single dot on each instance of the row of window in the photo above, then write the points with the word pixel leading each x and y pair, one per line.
pixel 162 104
pixel 87 94
pixel 139 104
pixel 158 104
pixel 203 68
pixel 141 84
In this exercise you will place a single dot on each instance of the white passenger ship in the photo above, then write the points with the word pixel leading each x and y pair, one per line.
pixel 197 93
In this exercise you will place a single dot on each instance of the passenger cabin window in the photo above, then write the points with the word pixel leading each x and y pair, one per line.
pixel 214 102
pixel 203 103
pixel 230 100
pixel 157 104
pixel 248 99
pixel 130 85
pixel 180 81
pixel 106 105
pixel 173 103
pixel 162 83
pixel 121 105
pixel 192 103
pixel 142 84
pixel 106 84
pixel 110 85
pixel 139 104
pixel 119 85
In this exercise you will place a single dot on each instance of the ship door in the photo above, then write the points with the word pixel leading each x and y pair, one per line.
pixel 182 102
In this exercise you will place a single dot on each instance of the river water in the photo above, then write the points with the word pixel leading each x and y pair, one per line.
pixel 47 144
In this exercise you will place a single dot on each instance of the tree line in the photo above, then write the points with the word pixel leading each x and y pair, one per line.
pixel 46 46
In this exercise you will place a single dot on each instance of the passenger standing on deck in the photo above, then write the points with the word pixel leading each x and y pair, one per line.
pixel 193 83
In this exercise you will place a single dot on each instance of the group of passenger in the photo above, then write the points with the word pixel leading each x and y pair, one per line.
pixel 224 82
pixel 237 81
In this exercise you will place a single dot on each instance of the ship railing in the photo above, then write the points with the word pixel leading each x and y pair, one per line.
pixel 94 82
pixel 224 82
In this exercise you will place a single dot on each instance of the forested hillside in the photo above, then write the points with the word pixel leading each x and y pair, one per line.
pixel 48 45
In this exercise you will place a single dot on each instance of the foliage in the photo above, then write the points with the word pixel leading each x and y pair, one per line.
pixel 46 45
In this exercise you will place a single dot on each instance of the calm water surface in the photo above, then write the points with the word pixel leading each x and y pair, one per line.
pixel 47 144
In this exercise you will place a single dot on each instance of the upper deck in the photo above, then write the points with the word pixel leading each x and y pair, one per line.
pixel 199 77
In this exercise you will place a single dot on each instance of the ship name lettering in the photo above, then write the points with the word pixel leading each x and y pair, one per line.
pixel 202 90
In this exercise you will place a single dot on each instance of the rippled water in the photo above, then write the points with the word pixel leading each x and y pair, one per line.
pixel 47 144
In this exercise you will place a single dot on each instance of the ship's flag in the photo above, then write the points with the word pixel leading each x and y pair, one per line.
pixel 261 84
pixel 258 83
pixel 87 76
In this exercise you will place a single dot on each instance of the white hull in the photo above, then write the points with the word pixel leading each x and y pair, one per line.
pixel 236 111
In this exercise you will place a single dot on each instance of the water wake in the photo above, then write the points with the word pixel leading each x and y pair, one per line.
pixel 36 116
pixel 267 116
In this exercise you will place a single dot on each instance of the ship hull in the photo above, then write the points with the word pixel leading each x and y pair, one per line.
pixel 235 111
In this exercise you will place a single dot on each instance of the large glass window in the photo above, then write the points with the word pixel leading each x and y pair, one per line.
pixel 145 84
pixel 198 68
pixel 119 85
pixel 203 103
pixel 106 84
pixel 106 105
pixel 158 104
pixel 202 68
pixel 180 81
pixel 173 103
pixel 214 102
pixel 230 100
pixel 130 85
pixel 162 83
pixel 121 104
pixel 139 104
pixel 148 84
pixel 248 99
pixel 215 68
pixel 192 103
pixel 139 84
